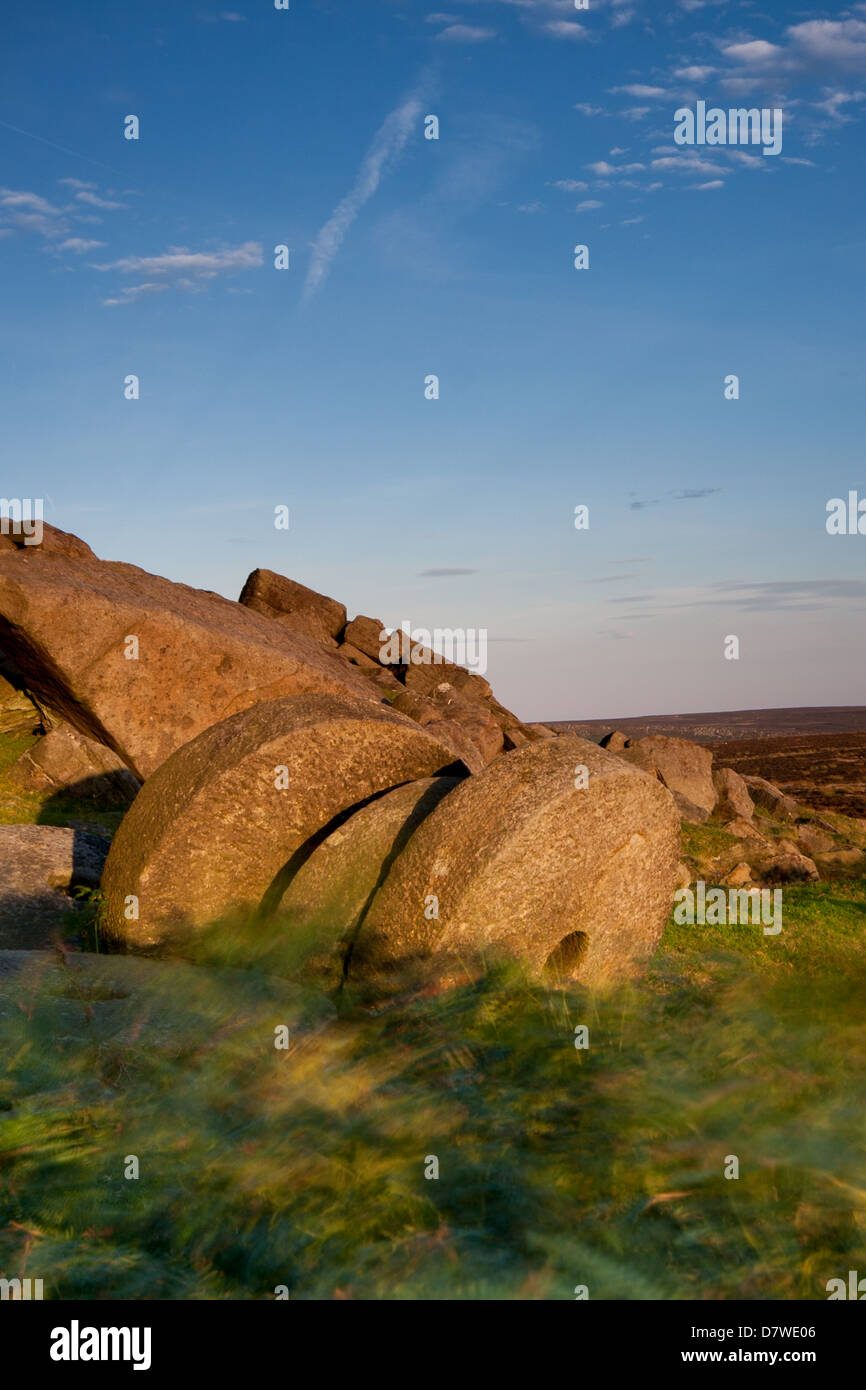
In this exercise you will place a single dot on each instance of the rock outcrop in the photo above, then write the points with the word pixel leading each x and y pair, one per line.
pixel 142 665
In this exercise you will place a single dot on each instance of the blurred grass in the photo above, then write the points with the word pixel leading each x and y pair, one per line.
pixel 557 1167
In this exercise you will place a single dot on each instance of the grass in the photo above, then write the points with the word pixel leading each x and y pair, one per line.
pixel 557 1167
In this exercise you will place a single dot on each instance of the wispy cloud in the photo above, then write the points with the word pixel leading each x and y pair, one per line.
pixel 564 29
pixel 466 33
pixel 180 268
pixel 79 245
pixel 94 200
pixel 637 89
pixel 388 144
pixel 444 573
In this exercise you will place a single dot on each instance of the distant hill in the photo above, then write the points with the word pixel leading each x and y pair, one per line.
pixel 728 724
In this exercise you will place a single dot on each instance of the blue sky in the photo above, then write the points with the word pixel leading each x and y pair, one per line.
pixel 454 257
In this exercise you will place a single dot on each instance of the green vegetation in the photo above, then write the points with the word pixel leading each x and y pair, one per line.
pixel 558 1167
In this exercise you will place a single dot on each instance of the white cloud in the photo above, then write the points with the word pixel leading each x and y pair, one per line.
pixel 833 103
pixel 586 109
pixel 29 202
pixel 564 29
pixel 588 205
pixel 93 200
pixel 637 89
pixel 466 33
pixel 713 183
pixel 79 245
pixel 570 185
pixel 76 183
pixel 30 212
pixel 388 144
pixel 128 296
pixel 817 45
pixel 685 164
pixel 694 73
pixel 756 51
pixel 603 169
pixel 201 264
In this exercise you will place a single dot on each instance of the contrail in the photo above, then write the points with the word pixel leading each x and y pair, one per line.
pixel 388 143
pixel 61 148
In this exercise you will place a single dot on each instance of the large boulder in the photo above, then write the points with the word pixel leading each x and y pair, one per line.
pixel 685 768
pixel 40 865
pixel 217 827
pixel 66 622
pixel 294 606
pixel 733 800
pixel 67 761
pixel 559 854
pixel 331 891
pixel 771 799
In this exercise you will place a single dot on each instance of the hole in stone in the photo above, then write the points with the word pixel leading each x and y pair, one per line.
pixel 565 958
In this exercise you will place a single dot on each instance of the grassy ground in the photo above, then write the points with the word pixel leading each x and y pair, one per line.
pixel 557 1167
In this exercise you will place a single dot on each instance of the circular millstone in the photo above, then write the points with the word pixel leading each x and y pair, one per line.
pixel 213 829
pixel 559 854
pixel 331 891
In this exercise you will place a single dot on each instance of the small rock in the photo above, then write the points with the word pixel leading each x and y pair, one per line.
pixel 615 741
pixel 739 876
pixel 744 830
